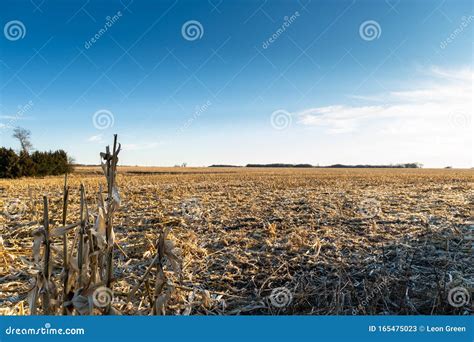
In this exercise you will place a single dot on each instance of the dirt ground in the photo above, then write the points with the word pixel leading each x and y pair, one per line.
pixel 267 241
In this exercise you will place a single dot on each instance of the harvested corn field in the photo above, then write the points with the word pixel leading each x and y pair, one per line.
pixel 257 241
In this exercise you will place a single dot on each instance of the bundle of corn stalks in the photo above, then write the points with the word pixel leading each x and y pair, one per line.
pixel 87 274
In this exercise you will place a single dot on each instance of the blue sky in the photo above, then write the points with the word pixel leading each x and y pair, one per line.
pixel 318 82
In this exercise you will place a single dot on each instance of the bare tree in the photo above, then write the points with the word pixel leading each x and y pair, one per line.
pixel 23 135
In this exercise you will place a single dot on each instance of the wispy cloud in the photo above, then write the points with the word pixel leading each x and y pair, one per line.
pixel 137 146
pixel 140 146
pixel 464 74
pixel 338 118
pixel 11 117
pixel 425 109
pixel 96 138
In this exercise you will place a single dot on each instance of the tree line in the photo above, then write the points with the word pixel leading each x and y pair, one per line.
pixel 26 163
pixel 335 166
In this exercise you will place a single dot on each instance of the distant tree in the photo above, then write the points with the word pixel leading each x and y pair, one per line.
pixel 27 166
pixel 23 136
pixel 9 163
pixel 70 164
pixel 37 163
pixel 414 165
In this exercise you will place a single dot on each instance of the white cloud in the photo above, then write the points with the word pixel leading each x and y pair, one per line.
pixel 137 146
pixel 338 118
pixel 96 138
pixel 140 146
pixel 9 117
pixel 426 109
pixel 464 74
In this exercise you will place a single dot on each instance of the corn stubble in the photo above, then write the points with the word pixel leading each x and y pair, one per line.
pixel 217 241
pixel 87 262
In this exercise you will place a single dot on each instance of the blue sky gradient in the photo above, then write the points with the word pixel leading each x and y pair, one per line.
pixel 211 100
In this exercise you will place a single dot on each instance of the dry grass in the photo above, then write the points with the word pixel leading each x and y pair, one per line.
pixel 341 241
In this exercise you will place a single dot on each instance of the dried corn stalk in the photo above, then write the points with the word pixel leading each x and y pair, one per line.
pixel 88 266
pixel 42 287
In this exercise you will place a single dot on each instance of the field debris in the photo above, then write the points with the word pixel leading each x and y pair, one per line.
pixel 195 241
